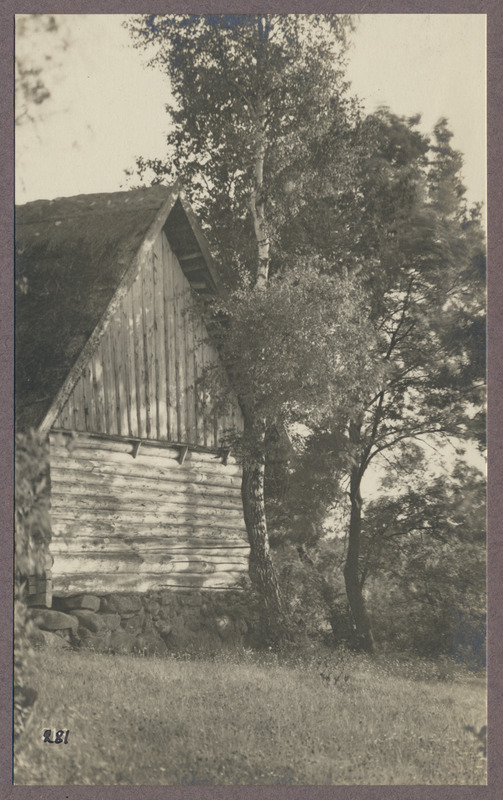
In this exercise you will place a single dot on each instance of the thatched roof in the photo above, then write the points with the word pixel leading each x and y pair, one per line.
pixel 71 255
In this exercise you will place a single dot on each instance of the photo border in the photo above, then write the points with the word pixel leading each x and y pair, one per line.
pixel 494 11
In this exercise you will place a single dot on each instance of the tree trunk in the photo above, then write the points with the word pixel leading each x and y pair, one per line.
pixel 257 203
pixel 262 571
pixel 364 638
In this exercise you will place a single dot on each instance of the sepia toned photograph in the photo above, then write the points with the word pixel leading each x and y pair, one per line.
pixel 250 400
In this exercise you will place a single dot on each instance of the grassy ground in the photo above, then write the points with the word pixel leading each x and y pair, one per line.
pixel 239 721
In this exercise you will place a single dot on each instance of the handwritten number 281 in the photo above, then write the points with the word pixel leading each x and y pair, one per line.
pixel 60 737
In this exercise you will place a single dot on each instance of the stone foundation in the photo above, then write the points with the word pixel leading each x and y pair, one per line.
pixel 155 623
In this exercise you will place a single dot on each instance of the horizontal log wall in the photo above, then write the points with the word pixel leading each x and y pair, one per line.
pixel 127 520
pixel 144 378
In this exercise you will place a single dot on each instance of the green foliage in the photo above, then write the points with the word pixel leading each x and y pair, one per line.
pixel 286 345
pixel 242 82
pixel 425 566
pixel 31 506
pixel 313 589
pixel 32 536
pixel 40 40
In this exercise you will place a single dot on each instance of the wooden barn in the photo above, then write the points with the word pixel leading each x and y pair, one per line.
pixel 109 357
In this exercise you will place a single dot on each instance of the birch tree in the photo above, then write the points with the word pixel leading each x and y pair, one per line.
pixel 260 112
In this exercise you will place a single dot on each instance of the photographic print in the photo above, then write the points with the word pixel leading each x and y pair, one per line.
pixel 250 475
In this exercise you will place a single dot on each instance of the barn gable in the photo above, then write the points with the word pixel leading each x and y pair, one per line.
pixel 109 352
pixel 143 379
pixel 105 338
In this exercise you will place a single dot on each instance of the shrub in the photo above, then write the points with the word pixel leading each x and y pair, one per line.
pixel 31 506
pixel 32 537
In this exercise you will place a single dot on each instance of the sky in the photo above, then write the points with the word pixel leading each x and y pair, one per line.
pixel 106 107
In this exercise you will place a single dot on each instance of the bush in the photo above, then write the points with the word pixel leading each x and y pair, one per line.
pixel 32 537
pixel 31 506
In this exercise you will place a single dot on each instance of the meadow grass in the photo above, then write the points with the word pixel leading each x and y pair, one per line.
pixel 243 720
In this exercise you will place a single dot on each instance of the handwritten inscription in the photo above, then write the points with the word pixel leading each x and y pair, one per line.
pixel 60 737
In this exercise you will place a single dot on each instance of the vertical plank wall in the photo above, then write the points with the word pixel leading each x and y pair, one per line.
pixel 142 379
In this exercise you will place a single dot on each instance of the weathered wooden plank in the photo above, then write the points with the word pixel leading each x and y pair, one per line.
pixel 143 464
pixel 198 375
pixel 73 482
pixel 158 544
pixel 183 476
pixel 87 377
pixel 64 416
pixel 145 562
pixel 137 303
pixel 111 367
pixel 209 508
pixel 129 360
pixel 179 352
pixel 70 410
pixel 188 322
pixel 159 341
pixel 117 334
pixel 85 401
pixel 111 337
pixel 170 343
pixel 98 393
pixel 148 350
pixel 168 459
pixel 97 447
pixel 82 492
pixel 107 443
pixel 159 514
pixel 108 528
pixel 176 518
pixel 122 504
pixel 208 357
pixel 111 583
pixel 108 384
pixel 151 464
pixel 78 407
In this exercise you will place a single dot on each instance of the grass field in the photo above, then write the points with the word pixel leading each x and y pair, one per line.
pixel 248 721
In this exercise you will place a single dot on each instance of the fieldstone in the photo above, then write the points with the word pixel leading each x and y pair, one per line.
pixel 89 601
pixel 224 627
pixel 97 622
pixel 191 600
pixel 111 621
pixel 100 642
pixel 129 614
pixel 36 637
pixel 168 599
pixel 154 608
pixel 121 604
pixel 50 620
pixel 164 630
pixel 54 640
pixel 148 624
pixel 122 642
pixel 132 624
